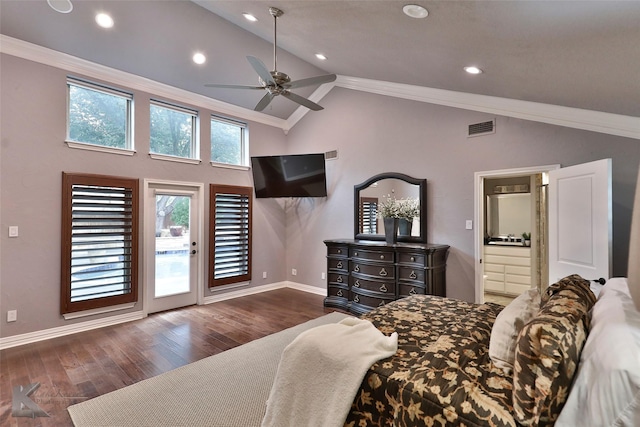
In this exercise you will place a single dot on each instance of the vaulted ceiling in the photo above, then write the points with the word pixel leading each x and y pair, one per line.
pixel 581 54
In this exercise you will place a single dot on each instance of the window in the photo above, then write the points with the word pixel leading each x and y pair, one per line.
pixel 99 241
pixel 230 225
pixel 99 115
pixel 229 142
pixel 173 130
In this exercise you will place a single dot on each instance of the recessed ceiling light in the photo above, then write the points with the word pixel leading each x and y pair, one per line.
pixel 62 6
pixel 249 17
pixel 199 58
pixel 321 56
pixel 104 20
pixel 415 11
pixel 473 70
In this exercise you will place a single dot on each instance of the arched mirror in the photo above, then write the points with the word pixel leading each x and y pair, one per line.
pixel 371 194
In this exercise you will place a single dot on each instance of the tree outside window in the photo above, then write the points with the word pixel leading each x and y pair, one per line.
pixel 98 115
pixel 228 142
pixel 172 131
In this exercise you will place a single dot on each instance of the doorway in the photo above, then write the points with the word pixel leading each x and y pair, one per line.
pixel 506 265
pixel 173 260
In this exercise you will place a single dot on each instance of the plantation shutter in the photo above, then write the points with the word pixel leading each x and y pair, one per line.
pixel 99 241
pixel 369 212
pixel 231 227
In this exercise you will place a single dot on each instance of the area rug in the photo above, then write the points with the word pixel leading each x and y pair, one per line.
pixel 229 389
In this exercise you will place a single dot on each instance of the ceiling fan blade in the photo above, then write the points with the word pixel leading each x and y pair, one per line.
pixel 234 86
pixel 266 100
pixel 261 69
pixel 310 81
pixel 302 101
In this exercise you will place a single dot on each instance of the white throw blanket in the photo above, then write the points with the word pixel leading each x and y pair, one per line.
pixel 320 373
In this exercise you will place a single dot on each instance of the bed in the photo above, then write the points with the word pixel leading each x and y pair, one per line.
pixel 542 367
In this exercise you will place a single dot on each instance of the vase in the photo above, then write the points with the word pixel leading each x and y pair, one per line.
pixel 391 230
pixel 404 227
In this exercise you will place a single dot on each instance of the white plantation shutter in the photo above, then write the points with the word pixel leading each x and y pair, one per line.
pixel 230 260
pixel 369 212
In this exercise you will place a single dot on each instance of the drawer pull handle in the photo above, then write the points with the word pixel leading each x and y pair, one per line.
pixel 413 259
pixel 339 279
pixel 383 272
pixel 412 291
pixel 356 268
pixel 413 275
pixel 339 264
pixel 356 298
pixel 381 304
pixel 339 292
pixel 381 256
pixel 357 284
pixel 339 251
pixel 355 254
pixel 383 288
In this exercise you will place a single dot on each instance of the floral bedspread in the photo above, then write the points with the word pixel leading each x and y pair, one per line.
pixel 441 374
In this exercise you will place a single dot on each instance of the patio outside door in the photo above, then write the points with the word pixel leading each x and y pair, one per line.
pixel 172 250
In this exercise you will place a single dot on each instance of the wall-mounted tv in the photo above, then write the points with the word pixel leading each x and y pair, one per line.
pixel 297 175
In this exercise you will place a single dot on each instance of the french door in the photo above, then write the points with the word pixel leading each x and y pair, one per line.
pixel 173 272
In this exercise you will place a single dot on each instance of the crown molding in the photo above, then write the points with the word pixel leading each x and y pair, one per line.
pixel 594 121
pixel 42 55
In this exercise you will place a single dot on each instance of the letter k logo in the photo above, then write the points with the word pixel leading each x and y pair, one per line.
pixel 22 405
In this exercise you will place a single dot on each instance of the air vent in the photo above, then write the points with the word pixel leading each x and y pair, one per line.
pixel 484 128
pixel 331 155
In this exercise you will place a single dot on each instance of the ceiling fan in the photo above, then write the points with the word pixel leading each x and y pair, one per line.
pixel 276 82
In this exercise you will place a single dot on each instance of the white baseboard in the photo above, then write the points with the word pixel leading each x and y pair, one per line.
pixel 60 331
pixel 45 334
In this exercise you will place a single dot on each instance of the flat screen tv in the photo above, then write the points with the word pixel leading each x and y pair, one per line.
pixel 297 175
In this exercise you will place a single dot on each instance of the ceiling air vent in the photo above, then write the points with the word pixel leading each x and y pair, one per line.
pixel 331 155
pixel 484 128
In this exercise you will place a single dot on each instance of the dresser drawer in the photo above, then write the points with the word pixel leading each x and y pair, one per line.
pixel 338 250
pixel 411 258
pixel 382 287
pixel 369 301
pixel 406 290
pixel 386 272
pixel 369 255
pixel 411 274
pixel 338 264
pixel 338 279
pixel 337 291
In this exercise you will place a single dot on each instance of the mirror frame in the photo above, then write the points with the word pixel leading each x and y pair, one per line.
pixel 422 183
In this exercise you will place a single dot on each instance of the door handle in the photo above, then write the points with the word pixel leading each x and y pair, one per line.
pixel 193 252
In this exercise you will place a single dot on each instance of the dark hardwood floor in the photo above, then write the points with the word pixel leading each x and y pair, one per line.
pixel 78 367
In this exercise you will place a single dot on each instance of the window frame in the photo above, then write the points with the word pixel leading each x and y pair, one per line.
pixel 215 189
pixel 194 157
pixel 129 148
pixel 69 180
pixel 244 142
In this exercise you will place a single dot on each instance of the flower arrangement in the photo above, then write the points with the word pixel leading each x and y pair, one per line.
pixel 402 208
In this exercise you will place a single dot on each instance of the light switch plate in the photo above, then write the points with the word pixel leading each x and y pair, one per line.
pixel 469 224
pixel 13 231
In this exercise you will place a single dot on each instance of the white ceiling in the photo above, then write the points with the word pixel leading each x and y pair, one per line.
pixel 582 54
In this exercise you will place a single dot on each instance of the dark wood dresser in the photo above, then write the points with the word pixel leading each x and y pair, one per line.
pixel 363 274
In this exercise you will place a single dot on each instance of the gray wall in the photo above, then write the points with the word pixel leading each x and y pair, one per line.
pixel 33 157
pixel 372 134
pixel 375 134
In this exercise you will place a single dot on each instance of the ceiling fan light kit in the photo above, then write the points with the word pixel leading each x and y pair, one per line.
pixel 276 82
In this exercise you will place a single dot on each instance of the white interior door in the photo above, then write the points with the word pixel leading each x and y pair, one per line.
pixel 172 246
pixel 580 225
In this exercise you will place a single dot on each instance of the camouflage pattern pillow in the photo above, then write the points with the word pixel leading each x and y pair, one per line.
pixel 548 351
